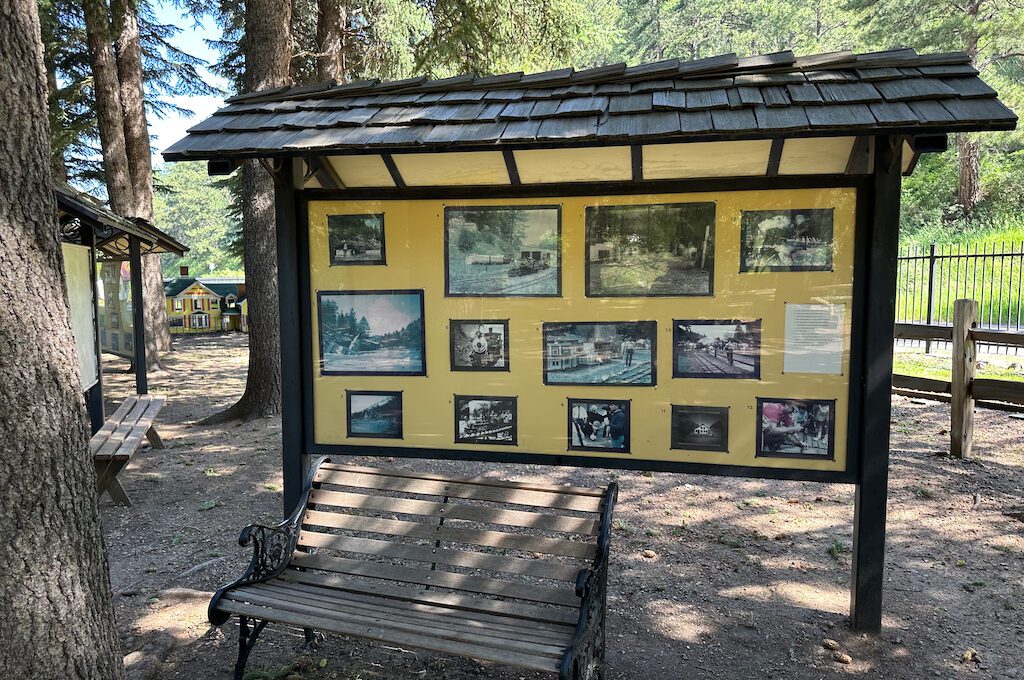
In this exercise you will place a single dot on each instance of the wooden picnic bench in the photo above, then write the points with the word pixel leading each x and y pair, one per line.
pixel 115 443
pixel 507 572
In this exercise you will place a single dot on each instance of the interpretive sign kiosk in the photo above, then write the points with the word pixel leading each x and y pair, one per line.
pixel 679 266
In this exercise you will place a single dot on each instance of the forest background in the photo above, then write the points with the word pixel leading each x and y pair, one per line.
pixel 973 192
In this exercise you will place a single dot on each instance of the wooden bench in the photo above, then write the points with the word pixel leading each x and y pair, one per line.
pixel 120 437
pixel 507 572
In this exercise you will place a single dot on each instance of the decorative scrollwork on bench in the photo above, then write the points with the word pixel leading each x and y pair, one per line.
pixel 271 549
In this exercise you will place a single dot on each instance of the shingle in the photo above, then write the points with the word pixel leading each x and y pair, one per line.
pixel 469 132
pixel 578 90
pixel 652 85
pixel 505 95
pixel 848 93
pixel 547 77
pixel 733 119
pixel 516 111
pixel 470 113
pixel 463 96
pixel 543 108
pixel 695 121
pixel 832 59
pixel 804 94
pixel 642 125
pixel 750 95
pixel 907 89
pixel 348 117
pixel 775 59
pixel 830 77
pixel 706 99
pixel 734 98
pixel 521 130
pixel 630 103
pixel 791 118
pixel 304 119
pixel 568 128
pixel 612 88
pixel 703 84
pixel 930 111
pixel 969 87
pixel 655 69
pixel 840 115
pixel 892 113
pixel 669 100
pixel 599 72
pixel 775 96
pixel 252 121
pixel 722 62
pixel 769 78
pixel 974 110
pixel 581 106
pixel 501 79
pixel 214 123
pixel 884 73
pixel 948 70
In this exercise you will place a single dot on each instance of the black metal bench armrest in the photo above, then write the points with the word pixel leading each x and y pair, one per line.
pixel 586 652
pixel 272 548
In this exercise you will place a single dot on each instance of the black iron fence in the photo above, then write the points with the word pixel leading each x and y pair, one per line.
pixel 932 277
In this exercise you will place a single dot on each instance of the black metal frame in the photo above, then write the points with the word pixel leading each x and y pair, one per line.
pixel 447 244
pixel 381 393
pixel 722 411
pixel 590 209
pixel 545 329
pixel 504 342
pixel 714 322
pixel 456 398
pixel 584 658
pixel 759 451
pixel 272 549
pixel 383 242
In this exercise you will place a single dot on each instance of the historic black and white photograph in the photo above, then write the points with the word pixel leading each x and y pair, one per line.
pixel 600 353
pixel 374 414
pixel 651 250
pixel 371 332
pixel 704 348
pixel 786 240
pixel 796 428
pixel 700 428
pixel 355 239
pixel 503 251
pixel 485 420
pixel 479 345
pixel 599 424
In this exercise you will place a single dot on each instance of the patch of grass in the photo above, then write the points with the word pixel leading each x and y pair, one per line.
pixel 938 366
pixel 924 492
pixel 623 526
pixel 652 532
pixel 836 549
pixel 210 472
pixel 271 486
pixel 209 505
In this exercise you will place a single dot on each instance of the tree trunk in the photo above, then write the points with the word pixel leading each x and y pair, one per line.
pixel 330 40
pixel 108 107
pixel 140 169
pixel 968 190
pixel 267 48
pixel 54 583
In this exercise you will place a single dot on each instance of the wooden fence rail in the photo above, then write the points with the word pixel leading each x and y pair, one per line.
pixel 964 390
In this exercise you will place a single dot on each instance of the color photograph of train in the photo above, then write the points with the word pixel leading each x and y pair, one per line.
pixel 650 250
pixel 600 353
pixel 508 251
pixel 485 420
pixel 704 348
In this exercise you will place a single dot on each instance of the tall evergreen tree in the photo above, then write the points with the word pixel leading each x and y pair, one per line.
pixel 54 582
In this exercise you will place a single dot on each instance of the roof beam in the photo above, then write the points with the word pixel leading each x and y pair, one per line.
pixel 860 156
pixel 510 164
pixel 636 155
pixel 324 173
pixel 775 157
pixel 396 176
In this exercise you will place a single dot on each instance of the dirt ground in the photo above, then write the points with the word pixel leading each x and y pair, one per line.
pixel 748 579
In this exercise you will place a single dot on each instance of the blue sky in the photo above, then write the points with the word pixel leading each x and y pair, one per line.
pixel 191 39
pixel 387 312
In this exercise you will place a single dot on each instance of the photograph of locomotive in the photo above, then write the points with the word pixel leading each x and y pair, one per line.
pixel 374 414
pixel 503 251
pixel 600 353
pixel 355 239
pixel 650 250
pixel 371 332
pixel 704 348
pixel 786 240
pixel 479 345
pixel 485 420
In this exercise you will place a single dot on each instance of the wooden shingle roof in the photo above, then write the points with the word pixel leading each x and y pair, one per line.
pixel 725 97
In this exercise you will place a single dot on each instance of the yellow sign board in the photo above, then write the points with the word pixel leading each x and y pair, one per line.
pixel 705 328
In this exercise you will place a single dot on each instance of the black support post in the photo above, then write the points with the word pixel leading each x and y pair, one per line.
pixel 288 272
pixel 94 395
pixel 873 477
pixel 138 316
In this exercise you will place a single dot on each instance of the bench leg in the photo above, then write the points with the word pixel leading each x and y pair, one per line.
pixel 246 641
pixel 154 438
pixel 313 638
pixel 107 481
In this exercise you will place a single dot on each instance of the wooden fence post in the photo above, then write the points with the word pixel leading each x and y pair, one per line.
pixel 961 431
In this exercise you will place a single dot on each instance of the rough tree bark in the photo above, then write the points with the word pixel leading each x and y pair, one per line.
pixel 968 189
pixel 124 14
pixel 54 584
pixel 330 40
pixel 267 47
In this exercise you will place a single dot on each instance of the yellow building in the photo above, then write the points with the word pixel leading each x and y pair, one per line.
pixel 206 305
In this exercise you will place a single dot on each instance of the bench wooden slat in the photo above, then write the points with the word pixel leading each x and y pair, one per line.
pixel 457 490
pixel 442 579
pixel 520 627
pixel 449 628
pixel 460 558
pixel 134 440
pixel 482 481
pixel 496 539
pixel 476 513
pixel 481 652
pixel 123 429
pixel 557 615
pixel 103 434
